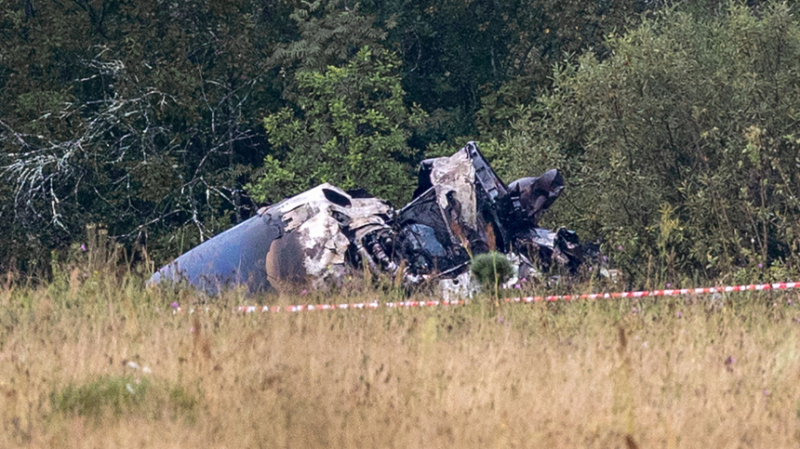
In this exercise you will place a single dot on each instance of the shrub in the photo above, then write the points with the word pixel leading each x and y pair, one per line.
pixel 491 269
pixel 680 148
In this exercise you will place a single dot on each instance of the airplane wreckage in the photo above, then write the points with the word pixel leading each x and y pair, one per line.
pixel 319 237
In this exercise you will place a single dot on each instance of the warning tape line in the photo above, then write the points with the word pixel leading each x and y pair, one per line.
pixel 359 305
pixel 526 299
pixel 673 292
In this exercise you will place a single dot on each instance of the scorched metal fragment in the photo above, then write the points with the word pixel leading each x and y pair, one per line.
pixel 460 208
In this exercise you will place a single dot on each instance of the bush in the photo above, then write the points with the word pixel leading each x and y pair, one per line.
pixel 680 148
pixel 350 128
pixel 491 269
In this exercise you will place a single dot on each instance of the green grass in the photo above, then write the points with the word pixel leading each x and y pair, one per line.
pixel 115 396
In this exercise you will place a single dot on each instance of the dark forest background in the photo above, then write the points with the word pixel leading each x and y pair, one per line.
pixel 166 122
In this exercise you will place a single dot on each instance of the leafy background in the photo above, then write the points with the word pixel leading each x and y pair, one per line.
pixel 166 122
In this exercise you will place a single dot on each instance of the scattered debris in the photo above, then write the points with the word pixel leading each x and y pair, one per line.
pixel 461 208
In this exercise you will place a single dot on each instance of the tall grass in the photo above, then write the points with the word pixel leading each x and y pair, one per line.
pixel 685 372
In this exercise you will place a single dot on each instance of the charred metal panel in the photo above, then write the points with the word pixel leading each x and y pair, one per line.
pixel 533 196
pixel 474 193
pixel 426 237
pixel 480 172
pixel 546 247
pixel 301 241
pixel 484 174
pixel 235 257
pixel 460 208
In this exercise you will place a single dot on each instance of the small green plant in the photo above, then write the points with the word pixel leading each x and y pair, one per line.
pixel 114 396
pixel 491 269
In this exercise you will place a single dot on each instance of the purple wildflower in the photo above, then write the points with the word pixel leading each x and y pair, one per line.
pixel 619 248
pixel 83 248
pixel 669 285
pixel 175 305
pixel 760 265
pixel 679 314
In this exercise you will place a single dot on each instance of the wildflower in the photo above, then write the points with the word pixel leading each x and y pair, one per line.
pixel 790 302
pixel 634 310
pixel 619 248
pixel 679 314
pixel 760 265
pixel 518 286
pixel 730 360
pixel 83 248
pixel 766 392
pixel 175 305
pixel 303 292
pixel 590 268
pixel 669 285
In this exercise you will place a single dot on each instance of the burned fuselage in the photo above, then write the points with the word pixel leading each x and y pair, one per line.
pixel 317 238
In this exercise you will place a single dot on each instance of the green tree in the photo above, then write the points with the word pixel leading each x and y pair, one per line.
pixel 143 116
pixel 349 127
pixel 680 148
pixel 147 116
pixel 470 64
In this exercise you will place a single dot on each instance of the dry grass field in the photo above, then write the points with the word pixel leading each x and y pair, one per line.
pixel 103 363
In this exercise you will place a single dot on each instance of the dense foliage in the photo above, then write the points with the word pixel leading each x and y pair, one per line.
pixel 147 117
pixel 681 148
pixel 351 131
pixel 166 122
pixel 141 116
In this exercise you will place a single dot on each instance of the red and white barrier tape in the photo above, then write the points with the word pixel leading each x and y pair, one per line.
pixel 673 292
pixel 358 305
pixel 527 299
